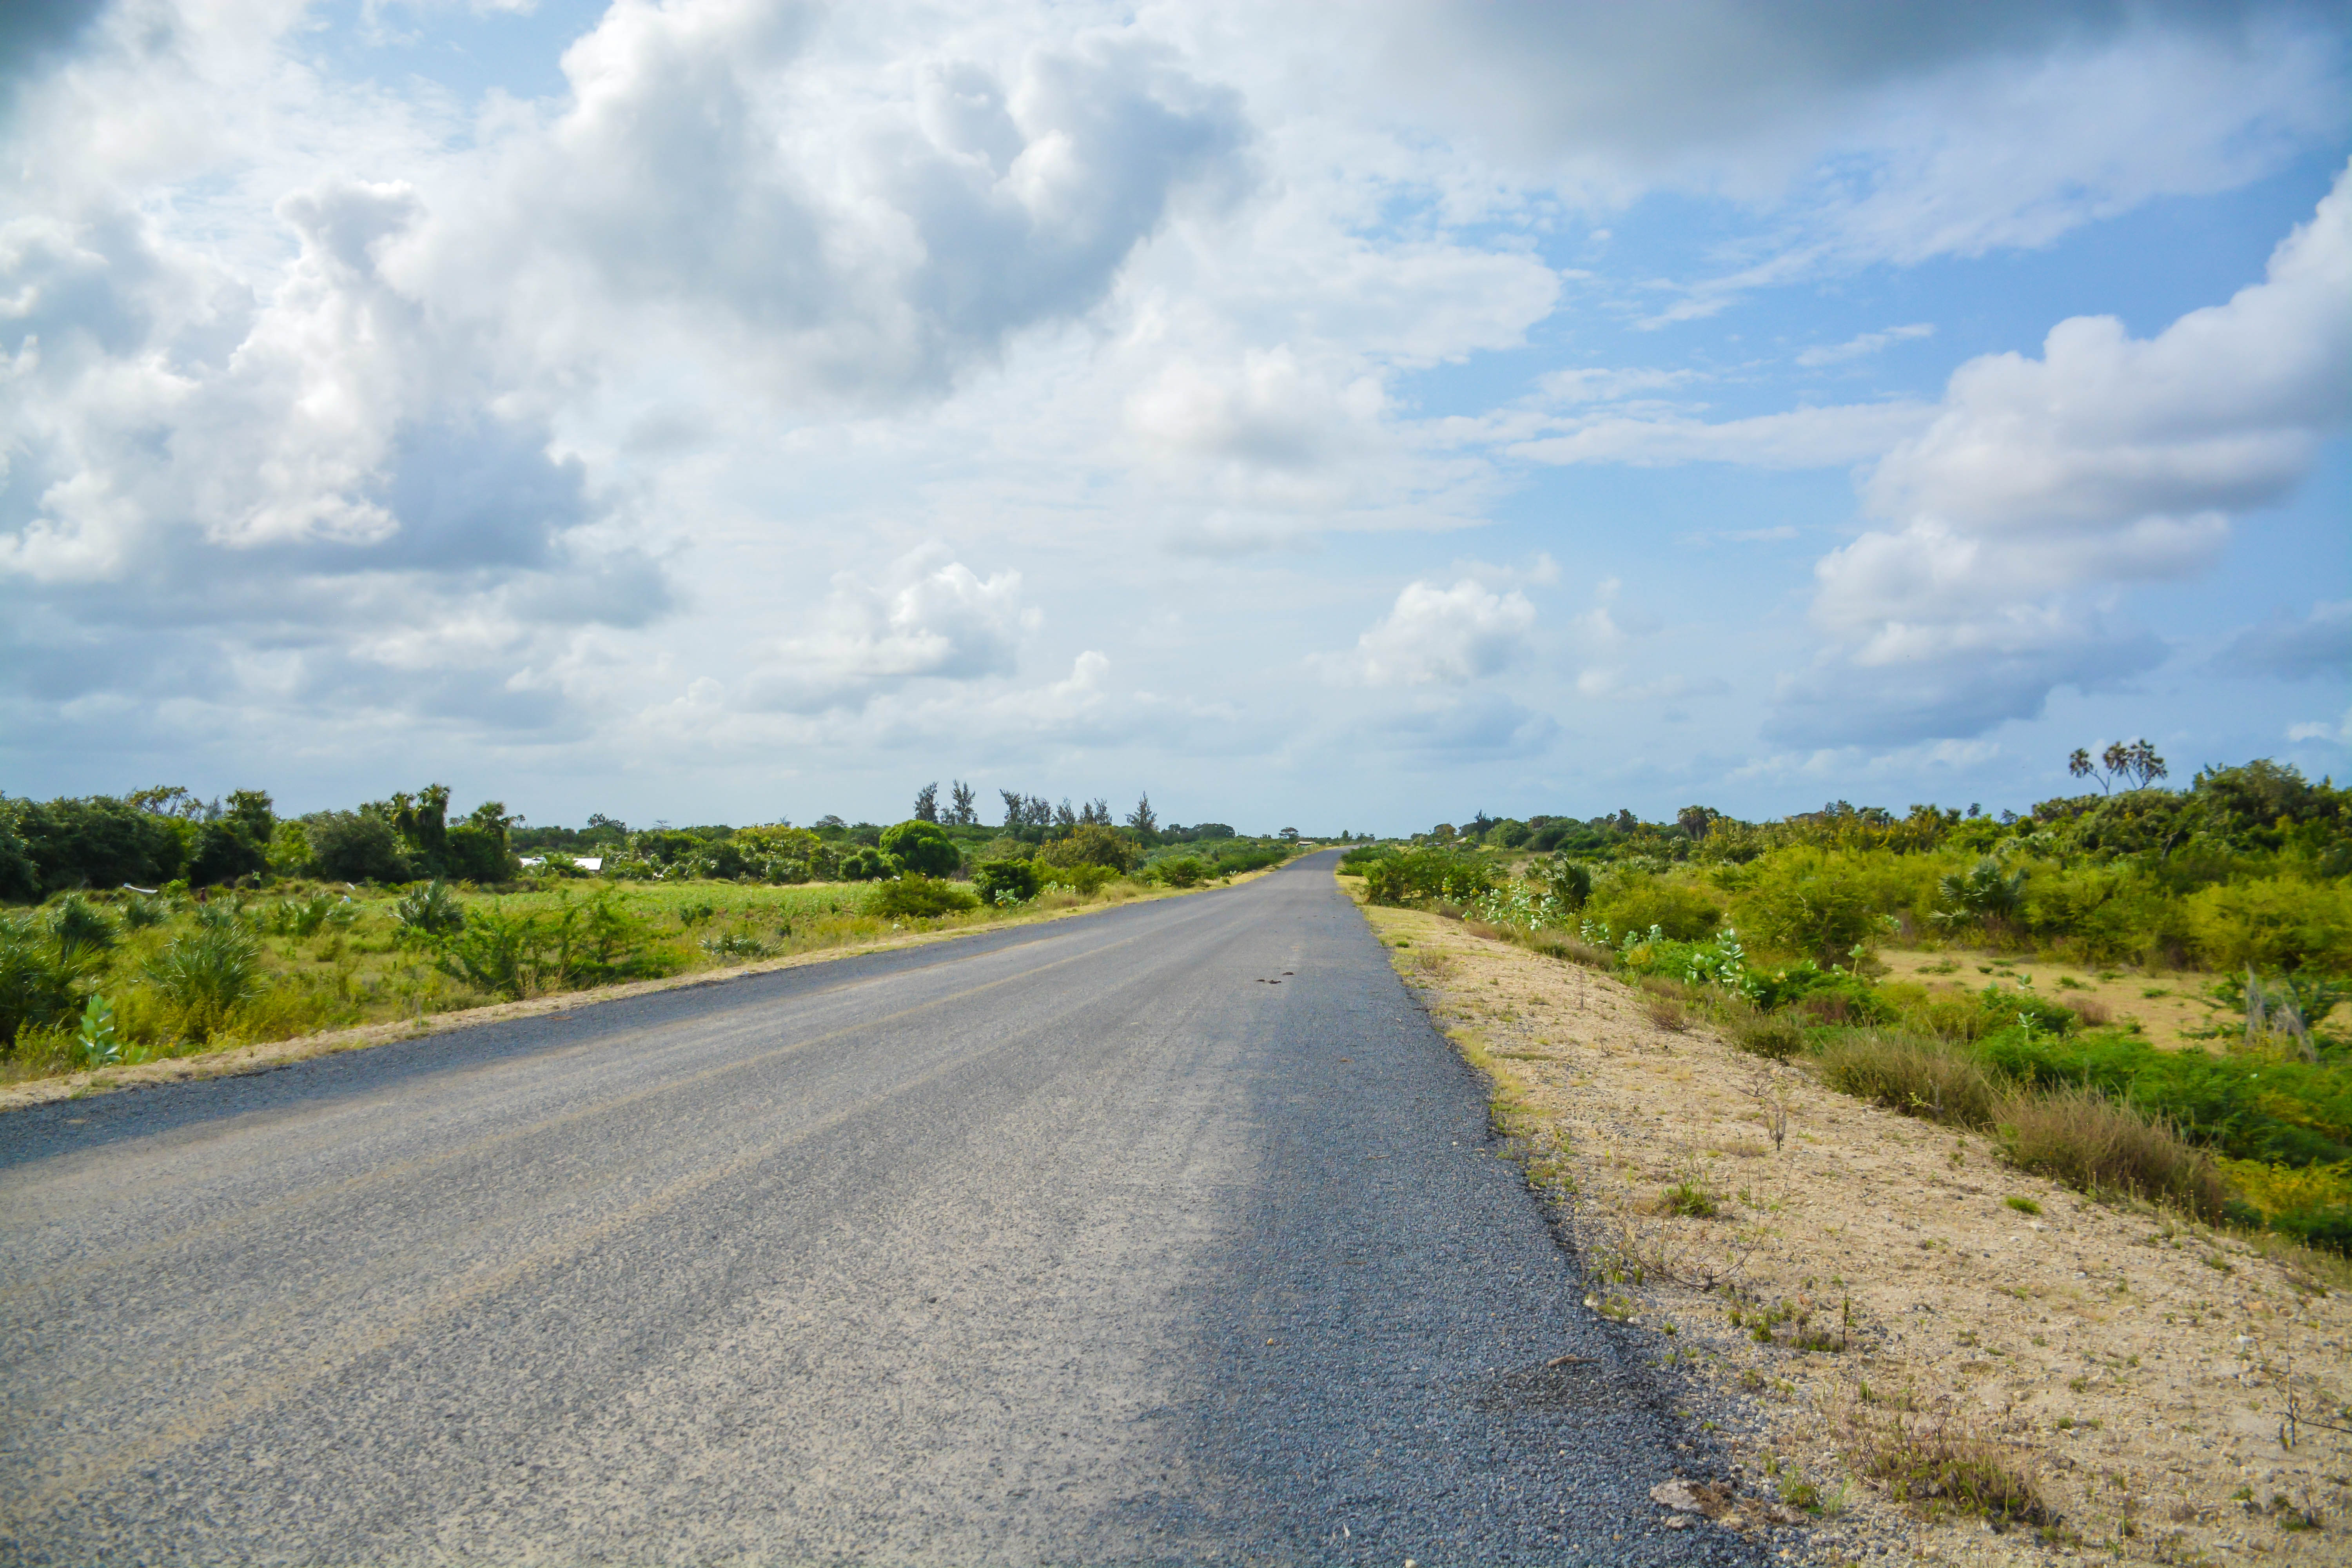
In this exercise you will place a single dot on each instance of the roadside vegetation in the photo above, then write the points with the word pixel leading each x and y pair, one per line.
pixel 156 925
pixel 1894 956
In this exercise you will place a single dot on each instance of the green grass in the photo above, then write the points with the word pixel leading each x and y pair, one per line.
pixel 303 957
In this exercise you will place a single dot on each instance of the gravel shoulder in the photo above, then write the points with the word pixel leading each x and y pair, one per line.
pixel 2134 1366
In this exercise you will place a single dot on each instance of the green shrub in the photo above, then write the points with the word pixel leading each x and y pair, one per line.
pixel 923 848
pixel 425 912
pixel 1811 903
pixel 2245 1106
pixel 475 852
pixel 1091 844
pixel 80 933
pixel 1235 859
pixel 1827 995
pixel 2311 1202
pixel 495 952
pixel 140 910
pixel 917 897
pixel 1418 875
pixel 2273 923
pixel 36 990
pixel 1637 900
pixel 1982 891
pixel 206 975
pixel 99 842
pixel 303 916
pixel 2022 1009
pixel 1183 871
pixel 356 847
pixel 222 852
pixel 1005 882
pixel 867 864
pixel 1088 880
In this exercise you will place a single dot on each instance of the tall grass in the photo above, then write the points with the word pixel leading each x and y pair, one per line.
pixel 2096 1144
pixel 1917 1074
pixel 2071 1134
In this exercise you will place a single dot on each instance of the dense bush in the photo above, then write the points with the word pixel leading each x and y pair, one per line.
pixel 923 848
pixel 356 847
pixel 224 852
pixel 1083 878
pixel 38 985
pixel 1424 874
pixel 1005 881
pixel 1638 901
pixel 206 975
pixel 1235 859
pixel 917 897
pixel 867 864
pixel 1180 871
pixel 2245 1106
pixel 1091 844
pixel 99 842
pixel 2273 923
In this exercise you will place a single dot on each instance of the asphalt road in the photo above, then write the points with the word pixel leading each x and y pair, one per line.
pixel 1171 1234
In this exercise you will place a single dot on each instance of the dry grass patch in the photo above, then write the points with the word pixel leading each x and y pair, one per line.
pixel 2090 1143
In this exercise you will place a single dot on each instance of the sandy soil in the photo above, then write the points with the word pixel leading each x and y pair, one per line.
pixel 2136 1366
pixel 2165 1006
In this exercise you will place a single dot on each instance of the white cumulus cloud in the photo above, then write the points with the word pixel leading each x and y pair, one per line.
pixel 931 618
pixel 1439 637
pixel 2042 485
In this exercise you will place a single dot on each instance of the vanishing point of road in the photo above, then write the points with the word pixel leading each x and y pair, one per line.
pixel 1169 1233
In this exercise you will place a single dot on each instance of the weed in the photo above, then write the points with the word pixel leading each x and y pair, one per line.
pixel 1943 1466
pixel 2023 1205
pixel 736 944
pixel 1666 1013
pixel 1692 1200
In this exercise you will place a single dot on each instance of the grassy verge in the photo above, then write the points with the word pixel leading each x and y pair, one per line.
pixel 326 969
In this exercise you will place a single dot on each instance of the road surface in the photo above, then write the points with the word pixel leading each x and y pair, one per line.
pixel 1169 1233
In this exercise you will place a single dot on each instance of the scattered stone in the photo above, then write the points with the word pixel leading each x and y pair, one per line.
pixel 1712 1498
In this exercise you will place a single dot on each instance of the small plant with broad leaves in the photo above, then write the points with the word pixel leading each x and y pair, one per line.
pixel 96 1045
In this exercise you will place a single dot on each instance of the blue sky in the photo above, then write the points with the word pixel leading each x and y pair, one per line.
pixel 731 410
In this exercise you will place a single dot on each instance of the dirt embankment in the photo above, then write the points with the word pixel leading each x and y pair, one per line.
pixel 1975 1329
